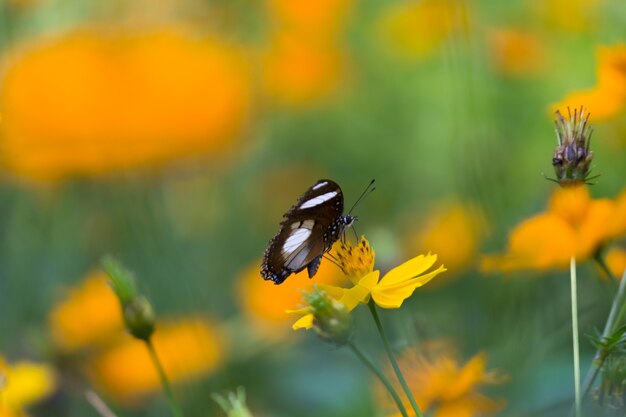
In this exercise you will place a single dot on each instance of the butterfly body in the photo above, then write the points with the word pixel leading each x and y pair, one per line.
pixel 308 230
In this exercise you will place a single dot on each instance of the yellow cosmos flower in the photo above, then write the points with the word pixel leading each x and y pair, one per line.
pixel 452 229
pixel 90 315
pixel 23 384
pixel 515 52
pixel 572 16
pixel 264 303
pixel 442 386
pixel 608 98
pixel 91 103
pixel 390 291
pixel 616 261
pixel 414 29
pixel 574 225
pixel 188 349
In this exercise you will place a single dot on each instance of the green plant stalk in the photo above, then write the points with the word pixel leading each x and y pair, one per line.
pixel 615 315
pixel 165 383
pixel 370 365
pixel 392 359
pixel 574 296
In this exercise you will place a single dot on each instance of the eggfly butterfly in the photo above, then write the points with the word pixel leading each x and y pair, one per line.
pixel 307 231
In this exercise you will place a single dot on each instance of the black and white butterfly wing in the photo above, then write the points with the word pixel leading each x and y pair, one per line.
pixel 307 231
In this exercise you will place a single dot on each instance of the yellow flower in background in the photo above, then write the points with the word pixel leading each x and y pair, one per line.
pixel 90 315
pixel 188 349
pixel 264 303
pixel 453 230
pixel 574 225
pixel 319 18
pixel 299 69
pixel 572 16
pixel 516 52
pixel 616 261
pixel 415 29
pixel 442 386
pixel 390 291
pixel 91 103
pixel 22 384
pixel 608 98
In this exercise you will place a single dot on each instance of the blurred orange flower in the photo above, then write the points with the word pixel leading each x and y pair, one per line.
pixel 608 98
pixel 299 70
pixel 318 18
pixel 574 225
pixel 188 348
pixel 453 230
pixel 89 315
pixel 23 384
pixel 264 303
pixel 616 261
pixel 416 28
pixel 91 103
pixel 516 52
pixel 443 387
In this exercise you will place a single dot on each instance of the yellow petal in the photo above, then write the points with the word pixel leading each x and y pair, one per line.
pixel 392 296
pixel 304 322
pixel 409 269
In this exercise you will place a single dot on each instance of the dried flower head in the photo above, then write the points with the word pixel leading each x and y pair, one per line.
pixel 572 157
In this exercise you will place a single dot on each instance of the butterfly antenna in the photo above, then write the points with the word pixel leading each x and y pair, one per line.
pixel 364 194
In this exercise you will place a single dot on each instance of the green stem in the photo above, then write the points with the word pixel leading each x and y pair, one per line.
pixel 575 335
pixel 602 264
pixel 165 383
pixel 370 365
pixel 392 359
pixel 615 316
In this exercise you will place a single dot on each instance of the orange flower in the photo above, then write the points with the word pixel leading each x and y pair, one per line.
pixel 89 103
pixel 187 348
pixel 89 315
pixel 444 388
pixel 298 69
pixel 264 304
pixel 573 225
pixel 516 52
pixel 453 230
pixel 416 28
pixel 320 17
pixel 616 261
pixel 608 98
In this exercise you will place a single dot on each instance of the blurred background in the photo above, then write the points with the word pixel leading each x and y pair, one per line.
pixel 174 135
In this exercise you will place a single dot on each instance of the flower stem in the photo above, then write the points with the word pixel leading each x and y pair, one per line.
pixel 392 359
pixel 165 383
pixel 614 318
pixel 370 365
pixel 575 335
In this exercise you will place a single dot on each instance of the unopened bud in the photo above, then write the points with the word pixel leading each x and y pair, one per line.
pixel 332 320
pixel 572 157
pixel 139 318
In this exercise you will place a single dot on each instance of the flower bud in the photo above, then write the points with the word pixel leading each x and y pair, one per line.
pixel 139 318
pixel 572 157
pixel 332 320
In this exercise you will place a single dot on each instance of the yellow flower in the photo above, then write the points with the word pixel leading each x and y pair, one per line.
pixel 90 315
pixel 574 225
pixel 454 231
pixel 416 28
pixel 516 52
pixel 572 16
pixel 264 303
pixel 608 98
pixel 616 261
pixel 188 349
pixel 443 387
pixel 320 17
pixel 300 69
pixel 388 292
pixel 22 384
pixel 91 103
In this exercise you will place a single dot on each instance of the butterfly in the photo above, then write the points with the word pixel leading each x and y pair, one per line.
pixel 307 231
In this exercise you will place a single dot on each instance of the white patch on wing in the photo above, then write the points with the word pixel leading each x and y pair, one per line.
pixel 320 185
pixel 318 200
pixel 296 239
pixel 308 224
